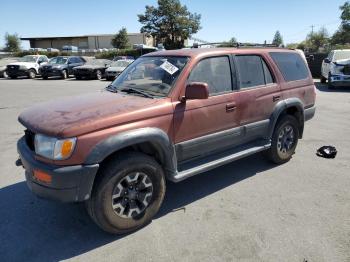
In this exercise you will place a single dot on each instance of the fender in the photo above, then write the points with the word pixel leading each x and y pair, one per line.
pixel 283 105
pixel 157 137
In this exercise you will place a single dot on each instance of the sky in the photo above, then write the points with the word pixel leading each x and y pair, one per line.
pixel 247 21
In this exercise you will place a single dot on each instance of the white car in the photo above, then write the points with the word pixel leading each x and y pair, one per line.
pixel 336 68
pixel 26 66
pixel 116 68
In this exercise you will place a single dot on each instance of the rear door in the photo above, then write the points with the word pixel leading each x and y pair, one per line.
pixel 204 126
pixel 258 94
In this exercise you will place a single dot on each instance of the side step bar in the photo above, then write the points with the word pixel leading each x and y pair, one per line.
pixel 214 162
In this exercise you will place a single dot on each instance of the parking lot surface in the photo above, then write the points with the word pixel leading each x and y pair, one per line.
pixel 249 210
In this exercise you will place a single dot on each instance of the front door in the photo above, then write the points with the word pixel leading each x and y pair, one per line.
pixel 205 126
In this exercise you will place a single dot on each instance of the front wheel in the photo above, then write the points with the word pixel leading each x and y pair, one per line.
pixel 4 74
pixel 284 140
pixel 31 73
pixel 64 74
pixel 323 80
pixel 128 193
pixel 98 74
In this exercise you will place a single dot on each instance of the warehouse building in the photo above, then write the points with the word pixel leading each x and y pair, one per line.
pixel 86 41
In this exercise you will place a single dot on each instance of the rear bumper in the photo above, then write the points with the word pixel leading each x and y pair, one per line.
pixel 309 113
pixel 68 184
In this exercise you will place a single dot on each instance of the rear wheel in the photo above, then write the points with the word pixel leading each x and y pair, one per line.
pixel 4 74
pixel 323 80
pixel 31 73
pixel 98 74
pixel 284 140
pixel 128 193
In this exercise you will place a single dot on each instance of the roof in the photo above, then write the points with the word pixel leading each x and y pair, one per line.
pixel 212 51
pixel 74 36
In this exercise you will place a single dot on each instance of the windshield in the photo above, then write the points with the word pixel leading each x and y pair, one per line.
pixel 121 63
pixel 58 60
pixel 28 58
pixel 153 75
pixel 342 55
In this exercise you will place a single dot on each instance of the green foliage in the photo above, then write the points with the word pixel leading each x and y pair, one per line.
pixel 342 35
pixel 123 52
pixel 293 45
pixel 277 39
pixel 120 40
pixel 12 43
pixel 314 41
pixel 170 23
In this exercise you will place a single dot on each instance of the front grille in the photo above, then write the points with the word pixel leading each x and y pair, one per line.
pixel 29 137
pixel 13 67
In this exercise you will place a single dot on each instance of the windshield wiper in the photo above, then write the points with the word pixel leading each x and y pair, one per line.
pixel 136 91
pixel 111 88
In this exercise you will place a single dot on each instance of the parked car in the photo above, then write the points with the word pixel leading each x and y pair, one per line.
pixel 336 68
pixel 3 65
pixel 60 66
pixel 93 69
pixel 26 66
pixel 195 110
pixel 116 67
pixel 123 57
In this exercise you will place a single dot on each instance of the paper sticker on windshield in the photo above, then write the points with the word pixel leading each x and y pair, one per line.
pixel 169 67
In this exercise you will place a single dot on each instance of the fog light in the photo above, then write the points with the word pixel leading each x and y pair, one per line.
pixel 42 176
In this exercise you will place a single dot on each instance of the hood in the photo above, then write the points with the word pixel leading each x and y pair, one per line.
pixel 83 114
pixel 342 62
pixel 89 67
pixel 116 68
pixel 27 64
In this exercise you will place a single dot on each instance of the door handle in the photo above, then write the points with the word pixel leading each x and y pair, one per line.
pixel 276 98
pixel 230 107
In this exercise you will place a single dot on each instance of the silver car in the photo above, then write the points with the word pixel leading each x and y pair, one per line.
pixel 116 68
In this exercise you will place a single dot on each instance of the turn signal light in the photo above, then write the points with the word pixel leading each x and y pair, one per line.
pixel 42 176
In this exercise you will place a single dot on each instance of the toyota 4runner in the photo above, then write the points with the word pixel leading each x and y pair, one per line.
pixel 169 115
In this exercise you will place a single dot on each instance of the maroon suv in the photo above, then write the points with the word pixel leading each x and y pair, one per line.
pixel 170 115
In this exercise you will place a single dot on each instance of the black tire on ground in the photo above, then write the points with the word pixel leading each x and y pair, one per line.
pixel 78 77
pixel 108 78
pixel 45 77
pixel 112 175
pixel 13 77
pixel 323 80
pixel 98 74
pixel 284 140
pixel 31 73
pixel 64 74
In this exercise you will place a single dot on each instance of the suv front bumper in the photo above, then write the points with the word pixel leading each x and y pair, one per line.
pixel 68 183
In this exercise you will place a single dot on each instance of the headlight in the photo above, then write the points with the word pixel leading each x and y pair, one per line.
pixel 53 148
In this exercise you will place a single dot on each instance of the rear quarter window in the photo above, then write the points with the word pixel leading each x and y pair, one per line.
pixel 291 65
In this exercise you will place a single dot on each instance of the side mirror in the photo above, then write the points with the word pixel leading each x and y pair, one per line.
pixel 196 90
pixel 327 61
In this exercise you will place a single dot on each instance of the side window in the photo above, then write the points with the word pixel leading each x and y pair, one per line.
pixel 267 72
pixel 291 65
pixel 216 72
pixel 250 70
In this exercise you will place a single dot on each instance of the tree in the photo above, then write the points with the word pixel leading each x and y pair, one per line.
pixel 12 43
pixel 120 40
pixel 277 39
pixel 230 43
pixel 315 40
pixel 170 23
pixel 342 35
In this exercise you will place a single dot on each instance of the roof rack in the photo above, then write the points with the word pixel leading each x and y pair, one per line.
pixel 236 45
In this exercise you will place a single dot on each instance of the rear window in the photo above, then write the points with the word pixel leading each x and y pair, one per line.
pixel 291 65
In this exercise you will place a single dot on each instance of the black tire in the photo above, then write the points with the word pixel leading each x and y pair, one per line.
pixel 45 77
pixel 98 74
pixel 275 152
pixel 31 73
pixel 78 77
pixel 64 74
pixel 13 77
pixel 116 171
pixel 108 78
pixel 4 74
pixel 323 80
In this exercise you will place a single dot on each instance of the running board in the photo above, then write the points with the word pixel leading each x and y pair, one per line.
pixel 199 166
